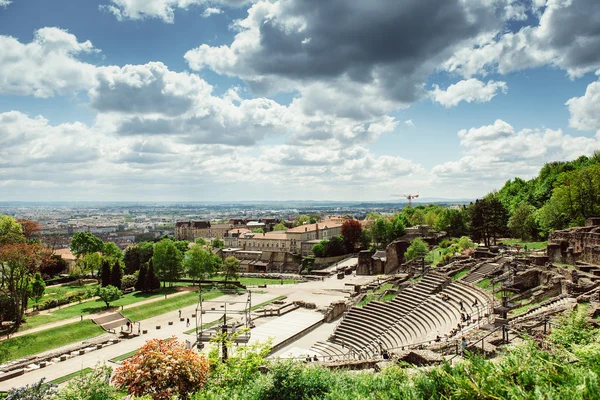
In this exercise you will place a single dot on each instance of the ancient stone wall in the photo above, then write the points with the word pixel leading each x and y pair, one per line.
pixel 575 244
pixel 395 254
pixel 365 263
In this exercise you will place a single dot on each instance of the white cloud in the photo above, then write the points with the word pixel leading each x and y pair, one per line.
pixel 5 3
pixel 470 90
pixel 211 11
pixel 409 122
pixel 46 66
pixel 495 153
pixel 161 9
pixel 566 37
pixel 585 110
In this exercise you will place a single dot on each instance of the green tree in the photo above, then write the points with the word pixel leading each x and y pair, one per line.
pixel 182 245
pixel 168 261
pixel 85 243
pixel 116 275
pixel 318 250
pixel 131 259
pixel 38 287
pixel 351 231
pixel 373 215
pixel 280 227
pixel 151 282
pixel 231 268
pixel 201 242
pixel 140 284
pixel 365 239
pixel 523 223
pixel 91 262
pixel 105 273
pixel 453 222
pixel 108 294
pixel 111 250
pixel 301 220
pixel 417 249
pixel 10 230
pixel 334 246
pixel 258 230
pixel 90 385
pixel 217 243
pixel 200 263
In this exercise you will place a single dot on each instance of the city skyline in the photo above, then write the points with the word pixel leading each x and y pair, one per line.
pixel 247 101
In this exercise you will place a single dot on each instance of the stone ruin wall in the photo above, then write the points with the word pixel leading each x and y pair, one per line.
pixel 575 244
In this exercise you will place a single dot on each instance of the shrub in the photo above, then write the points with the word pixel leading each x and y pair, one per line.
pixel 293 381
pixel 128 281
pixel 163 368
pixel 35 391
pixel 90 385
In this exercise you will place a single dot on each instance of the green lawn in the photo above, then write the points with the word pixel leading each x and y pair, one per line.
pixel 33 343
pixel 460 274
pixel 259 281
pixel 89 307
pixel 569 266
pixel 164 306
pixel 72 375
pixel 435 256
pixel 487 284
pixel 123 356
pixel 52 291
pixel 267 302
pixel 530 245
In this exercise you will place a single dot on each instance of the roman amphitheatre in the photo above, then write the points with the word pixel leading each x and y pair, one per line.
pixel 364 309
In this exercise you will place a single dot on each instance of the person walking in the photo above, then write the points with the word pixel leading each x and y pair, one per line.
pixel 179 313
pixel 187 322
pixel 463 345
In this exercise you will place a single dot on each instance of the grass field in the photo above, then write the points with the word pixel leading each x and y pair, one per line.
pixel 89 307
pixel 164 306
pixel 33 343
pixel 460 274
pixel 267 302
pixel 123 356
pixel 53 291
pixel 72 375
pixel 487 284
pixel 530 245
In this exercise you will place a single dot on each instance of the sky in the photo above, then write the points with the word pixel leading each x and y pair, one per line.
pixel 242 100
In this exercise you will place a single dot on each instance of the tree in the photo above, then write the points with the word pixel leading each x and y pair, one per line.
pixel 131 259
pixel 318 250
pixel 38 287
pixel 382 231
pixel 105 273
pixel 168 261
pixel 217 243
pixel 373 215
pixel 231 268
pixel 182 245
pixel 522 223
pixel 85 243
pixel 111 250
pixel 10 230
pixel 116 275
pixel 488 219
pixel 301 220
pixel 31 230
pixel 18 263
pixel 351 231
pixel 91 262
pixel 140 284
pixel 145 372
pixel 201 242
pixel 258 230
pixel 108 294
pixel 453 222
pixel 200 263
pixel 365 239
pixel 90 384
pixel 151 282
pixel 53 265
pixel 417 249
pixel 280 227
pixel 334 246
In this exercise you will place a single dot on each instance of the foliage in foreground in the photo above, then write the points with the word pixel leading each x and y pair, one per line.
pixel 162 369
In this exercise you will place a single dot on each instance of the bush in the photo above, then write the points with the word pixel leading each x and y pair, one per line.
pixel 128 281
pixel 293 381
pixel 90 385
pixel 35 391
pixel 145 372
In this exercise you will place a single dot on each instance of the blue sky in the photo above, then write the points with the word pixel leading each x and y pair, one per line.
pixel 175 100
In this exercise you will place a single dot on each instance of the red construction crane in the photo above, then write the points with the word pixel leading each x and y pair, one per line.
pixel 409 197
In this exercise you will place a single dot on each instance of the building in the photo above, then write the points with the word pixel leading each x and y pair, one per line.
pixel 191 230
pixel 308 232
pixel 271 241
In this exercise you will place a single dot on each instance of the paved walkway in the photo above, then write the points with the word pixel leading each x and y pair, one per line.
pixel 89 316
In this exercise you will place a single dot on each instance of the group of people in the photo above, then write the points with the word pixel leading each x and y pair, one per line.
pixel 313 358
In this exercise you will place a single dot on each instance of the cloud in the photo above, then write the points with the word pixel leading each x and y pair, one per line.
pixel 585 114
pixel 5 3
pixel 46 66
pixel 211 11
pixel 288 45
pixel 566 36
pixel 495 153
pixel 409 122
pixel 470 90
pixel 161 9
